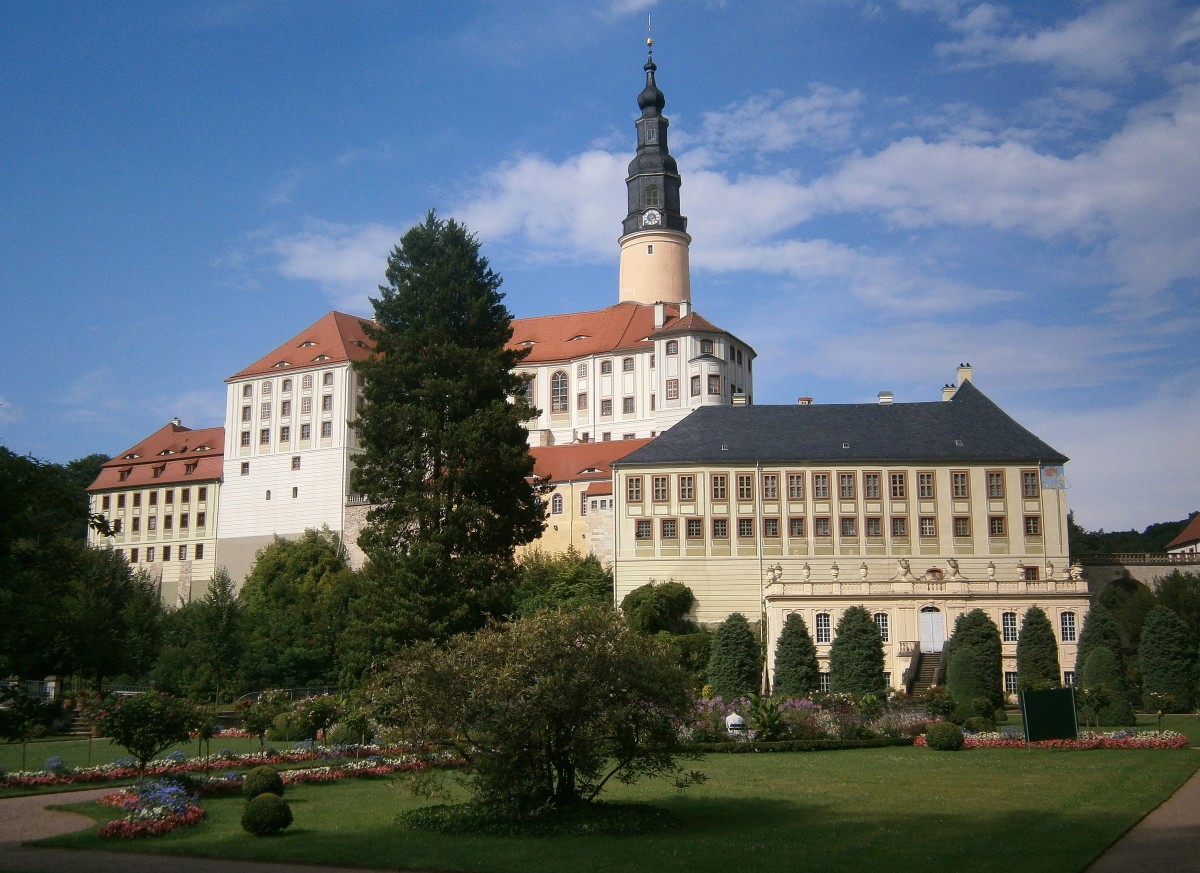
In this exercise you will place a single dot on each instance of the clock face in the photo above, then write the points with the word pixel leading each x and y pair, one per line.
pixel 651 218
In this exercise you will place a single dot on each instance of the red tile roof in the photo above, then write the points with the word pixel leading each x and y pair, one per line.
pixel 581 461
pixel 334 339
pixel 170 451
pixel 338 337
pixel 624 327
pixel 1190 534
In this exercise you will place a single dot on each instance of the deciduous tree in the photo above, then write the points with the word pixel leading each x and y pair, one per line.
pixel 546 711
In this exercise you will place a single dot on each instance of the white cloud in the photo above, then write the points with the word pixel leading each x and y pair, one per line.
pixel 566 209
pixel 9 411
pixel 1132 464
pixel 773 122
pixel 347 261
pixel 1105 42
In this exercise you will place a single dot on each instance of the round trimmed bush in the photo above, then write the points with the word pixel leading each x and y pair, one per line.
pixel 944 736
pixel 263 780
pixel 266 814
pixel 978 724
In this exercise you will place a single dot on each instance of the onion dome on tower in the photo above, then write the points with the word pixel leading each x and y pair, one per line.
pixel 654 242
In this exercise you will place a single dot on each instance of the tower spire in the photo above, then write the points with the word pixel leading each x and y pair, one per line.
pixel 654 240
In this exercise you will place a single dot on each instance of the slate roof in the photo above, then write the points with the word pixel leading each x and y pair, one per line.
pixel 817 434
pixel 169 452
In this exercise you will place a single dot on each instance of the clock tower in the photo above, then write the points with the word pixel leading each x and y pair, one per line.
pixel 654 240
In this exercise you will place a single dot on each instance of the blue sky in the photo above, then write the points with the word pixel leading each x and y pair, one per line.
pixel 876 192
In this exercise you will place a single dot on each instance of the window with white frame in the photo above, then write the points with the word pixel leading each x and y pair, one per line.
pixel 795 486
pixel 824 627
pixel 1066 623
pixel 1008 627
pixel 881 621
pixel 1011 683
pixel 556 504
pixel 558 392
pixel 687 487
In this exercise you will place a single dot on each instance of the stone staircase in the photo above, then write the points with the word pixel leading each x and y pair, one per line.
pixel 74 725
pixel 927 671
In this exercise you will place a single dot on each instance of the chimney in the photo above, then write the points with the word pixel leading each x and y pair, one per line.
pixel 885 398
pixel 804 401
pixel 685 308
pixel 660 314
pixel 175 421
pixel 947 391
pixel 964 373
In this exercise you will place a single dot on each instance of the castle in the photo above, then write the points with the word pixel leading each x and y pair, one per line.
pixel 661 465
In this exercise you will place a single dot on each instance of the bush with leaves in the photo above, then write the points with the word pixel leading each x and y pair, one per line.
pixel 856 655
pixel 257 717
pixel 944 736
pixel 1168 659
pixel 266 814
pixel 146 724
pixel 313 715
pixel 796 669
pixel 262 780
pixel 1037 653
pixel 659 606
pixel 562 580
pixel 545 711
pixel 734 661
pixel 969 676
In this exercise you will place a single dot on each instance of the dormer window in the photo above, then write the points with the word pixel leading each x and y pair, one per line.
pixel 322 358
pixel 581 336
pixel 125 474
pixel 307 344
pixel 280 364
pixel 202 449
pixel 132 456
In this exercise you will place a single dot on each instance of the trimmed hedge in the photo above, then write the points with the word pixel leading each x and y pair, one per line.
pixel 262 780
pixel 266 814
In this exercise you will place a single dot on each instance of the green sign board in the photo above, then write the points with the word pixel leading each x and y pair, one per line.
pixel 1049 715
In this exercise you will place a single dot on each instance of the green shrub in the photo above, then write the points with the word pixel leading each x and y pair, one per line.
pixel 1103 669
pixel 944 736
pixel 796 670
pixel 285 729
pixel 1168 659
pixel 262 780
pixel 856 655
pixel 938 702
pixel 266 814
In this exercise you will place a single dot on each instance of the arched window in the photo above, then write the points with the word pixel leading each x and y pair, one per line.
pixel 556 504
pixel 558 392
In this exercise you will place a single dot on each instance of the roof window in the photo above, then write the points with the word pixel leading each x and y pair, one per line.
pixel 307 344
pixel 282 364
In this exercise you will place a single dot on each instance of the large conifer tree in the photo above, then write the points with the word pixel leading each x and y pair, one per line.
pixel 856 656
pixel 975 630
pixel 1168 657
pixel 445 461
pixel 1037 652
pixel 733 661
pixel 796 667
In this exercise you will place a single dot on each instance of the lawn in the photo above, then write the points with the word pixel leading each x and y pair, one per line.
pixel 897 808
pixel 88 753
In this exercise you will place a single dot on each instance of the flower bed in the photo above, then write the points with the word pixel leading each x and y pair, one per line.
pixel 121 769
pixel 1014 739
pixel 154 807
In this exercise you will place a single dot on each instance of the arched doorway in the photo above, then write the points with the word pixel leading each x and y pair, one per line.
pixel 933 629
